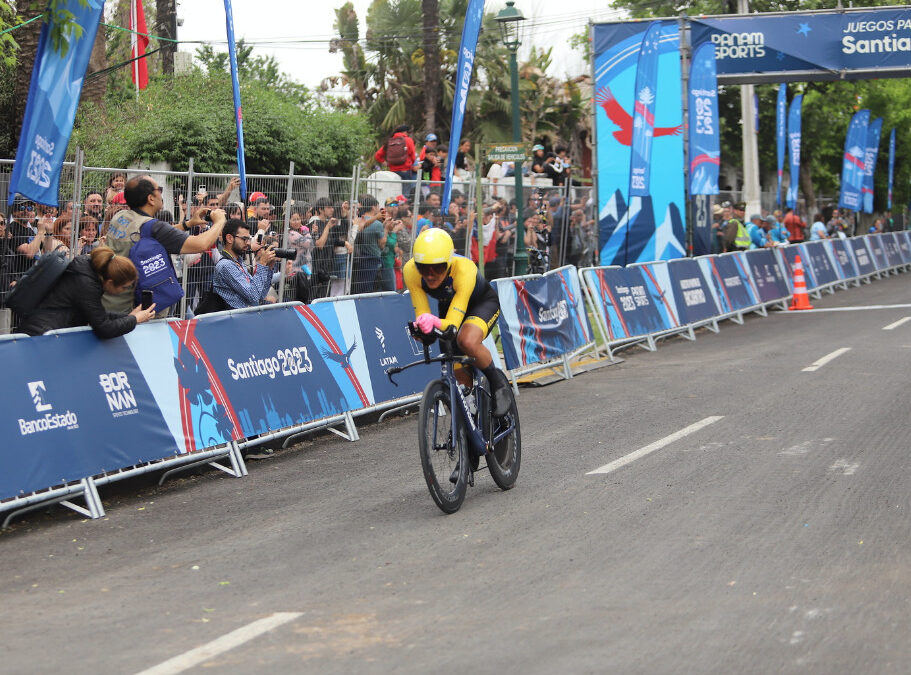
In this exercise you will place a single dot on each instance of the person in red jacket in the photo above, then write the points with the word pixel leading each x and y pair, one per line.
pixel 398 155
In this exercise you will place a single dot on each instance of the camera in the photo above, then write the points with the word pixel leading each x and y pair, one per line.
pixel 285 253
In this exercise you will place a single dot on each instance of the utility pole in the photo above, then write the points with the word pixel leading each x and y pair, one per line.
pixel 749 141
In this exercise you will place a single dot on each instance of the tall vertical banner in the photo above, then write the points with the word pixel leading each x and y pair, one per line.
pixel 53 96
pixel 794 149
pixel 654 221
pixel 139 42
pixel 238 111
pixel 871 153
pixel 891 167
pixel 465 65
pixel 705 146
pixel 852 168
pixel 644 112
pixel 781 113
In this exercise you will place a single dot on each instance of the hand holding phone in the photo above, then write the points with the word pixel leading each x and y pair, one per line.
pixel 147 299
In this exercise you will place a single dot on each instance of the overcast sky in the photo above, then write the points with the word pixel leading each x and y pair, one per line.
pixel 297 33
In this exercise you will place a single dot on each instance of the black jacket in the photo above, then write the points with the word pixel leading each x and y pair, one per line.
pixel 76 301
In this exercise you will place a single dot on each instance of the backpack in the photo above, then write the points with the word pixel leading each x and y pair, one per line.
pixel 37 282
pixel 211 302
pixel 156 273
pixel 396 151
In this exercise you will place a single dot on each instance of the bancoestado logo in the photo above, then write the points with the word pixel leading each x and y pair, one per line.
pixel 119 394
pixel 557 313
pixel 37 391
pixel 286 362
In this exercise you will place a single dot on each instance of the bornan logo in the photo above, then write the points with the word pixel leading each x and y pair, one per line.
pixel 120 397
pixel 37 392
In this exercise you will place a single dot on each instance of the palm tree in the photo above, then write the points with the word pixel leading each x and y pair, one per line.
pixel 430 12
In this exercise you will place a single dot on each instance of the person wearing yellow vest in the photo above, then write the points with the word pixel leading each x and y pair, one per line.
pixel 736 236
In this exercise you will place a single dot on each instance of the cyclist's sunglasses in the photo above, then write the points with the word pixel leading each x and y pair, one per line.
pixel 434 268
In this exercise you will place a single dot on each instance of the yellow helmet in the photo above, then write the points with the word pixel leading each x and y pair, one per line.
pixel 433 246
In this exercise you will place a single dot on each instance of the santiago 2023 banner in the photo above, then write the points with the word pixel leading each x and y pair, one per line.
pixel 652 227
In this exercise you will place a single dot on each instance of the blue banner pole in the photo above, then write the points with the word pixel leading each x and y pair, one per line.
pixel 781 112
pixel 705 152
pixel 53 97
pixel 891 167
pixel 467 49
pixel 852 171
pixel 794 149
pixel 238 115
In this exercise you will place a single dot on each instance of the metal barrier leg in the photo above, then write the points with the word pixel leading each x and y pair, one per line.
pixel 350 432
pixel 399 408
pixel 567 369
pixel 713 326
pixel 87 490
pixel 761 310
pixel 737 318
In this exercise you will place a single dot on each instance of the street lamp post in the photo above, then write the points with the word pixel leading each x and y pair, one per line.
pixel 510 21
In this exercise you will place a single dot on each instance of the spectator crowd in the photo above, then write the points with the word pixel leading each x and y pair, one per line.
pixel 230 254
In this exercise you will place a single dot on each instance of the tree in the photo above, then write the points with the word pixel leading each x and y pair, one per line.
pixel 193 116
pixel 430 13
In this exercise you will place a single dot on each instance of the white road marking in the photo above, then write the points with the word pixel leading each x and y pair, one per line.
pixel 657 445
pixel 845 467
pixel 841 309
pixel 220 645
pixel 897 323
pixel 825 359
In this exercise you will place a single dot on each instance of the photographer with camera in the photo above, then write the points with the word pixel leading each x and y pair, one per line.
pixel 238 284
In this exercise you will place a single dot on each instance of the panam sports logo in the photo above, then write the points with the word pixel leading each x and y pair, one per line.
pixel 38 393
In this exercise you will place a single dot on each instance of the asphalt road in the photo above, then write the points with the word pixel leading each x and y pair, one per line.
pixel 773 539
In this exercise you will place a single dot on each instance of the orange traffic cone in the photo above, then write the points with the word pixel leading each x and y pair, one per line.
pixel 801 298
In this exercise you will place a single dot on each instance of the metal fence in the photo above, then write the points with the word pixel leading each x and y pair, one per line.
pixel 329 224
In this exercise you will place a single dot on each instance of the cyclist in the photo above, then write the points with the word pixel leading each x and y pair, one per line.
pixel 467 302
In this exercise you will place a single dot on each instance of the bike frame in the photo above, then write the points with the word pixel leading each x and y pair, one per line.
pixel 477 435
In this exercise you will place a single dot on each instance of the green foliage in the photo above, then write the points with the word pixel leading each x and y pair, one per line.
pixel 193 116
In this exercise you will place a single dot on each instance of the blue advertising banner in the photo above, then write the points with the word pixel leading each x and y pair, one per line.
pixel 797 46
pixel 644 112
pixel 781 113
pixel 702 224
pixel 891 168
pixel 890 246
pixel 843 257
pixel 767 276
pixel 871 152
pixel 695 300
pixel 69 402
pixel 729 284
pixel 542 318
pixel 382 324
pixel 238 114
pixel 824 270
pixel 704 143
pixel 862 258
pixel 787 256
pixel 467 47
pixel 852 171
pixel 53 96
pixel 650 227
pixel 630 301
pixel 794 149
pixel 878 255
pixel 904 245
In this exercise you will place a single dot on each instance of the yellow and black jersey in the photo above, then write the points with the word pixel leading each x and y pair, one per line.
pixel 464 294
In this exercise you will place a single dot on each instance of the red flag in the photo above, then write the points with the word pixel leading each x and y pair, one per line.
pixel 139 43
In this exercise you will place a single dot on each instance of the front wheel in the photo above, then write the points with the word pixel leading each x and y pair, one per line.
pixel 506 456
pixel 443 457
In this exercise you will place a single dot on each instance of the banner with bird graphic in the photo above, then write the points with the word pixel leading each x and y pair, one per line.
pixel 637 225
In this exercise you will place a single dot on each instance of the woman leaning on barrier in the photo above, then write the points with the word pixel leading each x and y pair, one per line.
pixel 75 300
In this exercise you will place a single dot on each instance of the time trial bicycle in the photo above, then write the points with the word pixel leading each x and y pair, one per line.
pixel 456 427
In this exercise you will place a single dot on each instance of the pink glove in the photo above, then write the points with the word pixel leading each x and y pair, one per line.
pixel 427 322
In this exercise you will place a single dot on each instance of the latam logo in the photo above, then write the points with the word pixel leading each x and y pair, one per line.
pixel 37 391
pixel 119 394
